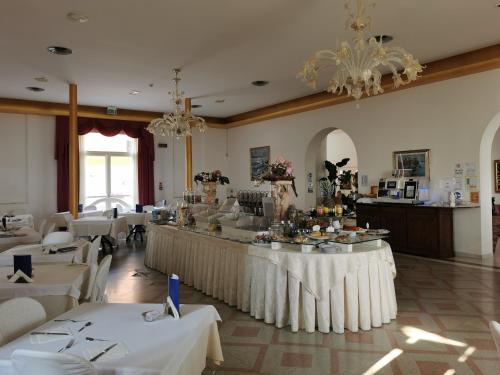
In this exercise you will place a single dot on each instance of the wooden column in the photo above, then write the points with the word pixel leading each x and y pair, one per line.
pixel 73 150
pixel 189 151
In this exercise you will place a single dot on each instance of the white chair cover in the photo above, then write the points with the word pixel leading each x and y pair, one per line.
pixel 162 203
pixel 93 251
pixel 148 208
pixel 68 217
pixel 29 362
pixel 90 208
pixel 41 227
pixel 101 278
pixel 18 316
pixel 57 238
pixel 50 229
pixel 108 213
pixel 495 332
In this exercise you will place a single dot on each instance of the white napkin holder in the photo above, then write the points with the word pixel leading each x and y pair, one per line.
pixel 20 275
pixel 170 308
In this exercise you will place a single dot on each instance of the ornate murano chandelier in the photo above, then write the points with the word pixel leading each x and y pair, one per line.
pixel 180 122
pixel 356 67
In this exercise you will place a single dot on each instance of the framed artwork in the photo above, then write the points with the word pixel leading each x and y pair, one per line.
pixel 496 166
pixel 259 160
pixel 416 162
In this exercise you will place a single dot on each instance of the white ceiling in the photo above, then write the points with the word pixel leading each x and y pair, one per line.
pixel 221 45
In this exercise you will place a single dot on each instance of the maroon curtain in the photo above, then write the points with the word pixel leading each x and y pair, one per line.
pixel 109 128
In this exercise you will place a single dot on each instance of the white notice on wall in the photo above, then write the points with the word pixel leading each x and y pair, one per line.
pixel 470 169
pixel 458 171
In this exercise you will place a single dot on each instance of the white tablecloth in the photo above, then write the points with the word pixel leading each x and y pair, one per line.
pixel 329 291
pixel 18 221
pixel 56 286
pixel 212 265
pixel 168 346
pixel 59 218
pixel 26 236
pixel 98 226
pixel 37 256
pixel 135 218
pixel 348 290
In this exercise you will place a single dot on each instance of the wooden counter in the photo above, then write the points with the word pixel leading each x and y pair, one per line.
pixel 418 230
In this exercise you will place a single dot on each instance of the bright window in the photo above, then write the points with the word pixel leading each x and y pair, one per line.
pixel 108 171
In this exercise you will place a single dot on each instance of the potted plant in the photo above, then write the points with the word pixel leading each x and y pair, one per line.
pixel 209 181
pixel 328 185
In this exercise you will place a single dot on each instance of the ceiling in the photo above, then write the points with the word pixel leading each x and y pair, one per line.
pixel 221 46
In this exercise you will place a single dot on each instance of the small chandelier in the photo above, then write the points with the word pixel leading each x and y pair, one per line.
pixel 180 122
pixel 357 67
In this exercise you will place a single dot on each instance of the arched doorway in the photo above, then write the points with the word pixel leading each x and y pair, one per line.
pixel 328 144
pixel 486 184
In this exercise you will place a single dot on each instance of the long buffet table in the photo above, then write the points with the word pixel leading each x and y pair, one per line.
pixel 283 287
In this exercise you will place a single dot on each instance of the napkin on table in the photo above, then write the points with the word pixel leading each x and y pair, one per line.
pixel 20 277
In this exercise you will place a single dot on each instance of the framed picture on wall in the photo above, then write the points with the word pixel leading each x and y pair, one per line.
pixel 259 160
pixel 416 162
pixel 496 167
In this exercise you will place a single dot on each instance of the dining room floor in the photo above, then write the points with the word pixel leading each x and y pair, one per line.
pixel 441 327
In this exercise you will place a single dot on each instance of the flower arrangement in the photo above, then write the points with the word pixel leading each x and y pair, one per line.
pixel 280 170
pixel 215 176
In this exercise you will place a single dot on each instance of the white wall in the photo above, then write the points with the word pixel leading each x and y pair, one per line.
pixel 41 165
pixel 339 146
pixel 448 117
pixel 209 153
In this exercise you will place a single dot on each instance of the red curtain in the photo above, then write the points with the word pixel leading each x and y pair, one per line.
pixel 109 128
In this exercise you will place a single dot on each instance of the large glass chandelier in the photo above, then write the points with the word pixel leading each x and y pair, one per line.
pixel 356 67
pixel 180 122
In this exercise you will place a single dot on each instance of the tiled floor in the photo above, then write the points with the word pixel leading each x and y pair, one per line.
pixel 442 325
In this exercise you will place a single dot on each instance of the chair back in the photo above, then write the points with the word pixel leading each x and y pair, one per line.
pixel 41 227
pixel 108 213
pixel 18 316
pixel 148 208
pixel 101 278
pixel 90 208
pixel 50 229
pixel 495 332
pixel 29 362
pixel 68 217
pixel 57 238
pixel 93 251
pixel 162 203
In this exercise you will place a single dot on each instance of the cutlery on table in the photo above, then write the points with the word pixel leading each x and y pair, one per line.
pixel 99 355
pixel 49 333
pixel 94 339
pixel 88 324
pixel 69 320
pixel 70 344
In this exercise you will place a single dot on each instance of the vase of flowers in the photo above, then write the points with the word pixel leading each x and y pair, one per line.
pixel 209 182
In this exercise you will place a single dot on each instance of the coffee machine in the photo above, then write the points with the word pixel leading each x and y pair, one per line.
pixel 398 190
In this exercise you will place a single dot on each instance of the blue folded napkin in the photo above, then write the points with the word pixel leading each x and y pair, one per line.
pixel 23 263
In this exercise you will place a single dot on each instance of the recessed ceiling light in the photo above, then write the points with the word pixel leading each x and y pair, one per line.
pixel 220 100
pixel 134 92
pixel 35 89
pixel 58 50
pixel 41 79
pixel 196 106
pixel 383 38
pixel 77 17
pixel 260 83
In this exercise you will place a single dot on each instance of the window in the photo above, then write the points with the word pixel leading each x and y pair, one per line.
pixel 108 171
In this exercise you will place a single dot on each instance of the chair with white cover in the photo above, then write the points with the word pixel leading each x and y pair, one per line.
pixel 29 362
pixel 57 238
pixel 90 207
pixel 41 227
pixel 91 260
pixel 50 229
pixel 68 218
pixel 162 203
pixel 93 251
pixel 108 213
pixel 98 293
pixel 18 316
pixel 495 332
pixel 148 208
